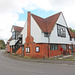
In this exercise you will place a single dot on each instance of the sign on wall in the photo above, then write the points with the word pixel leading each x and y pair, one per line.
pixel 61 31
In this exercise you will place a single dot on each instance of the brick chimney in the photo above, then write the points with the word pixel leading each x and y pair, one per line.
pixel 28 24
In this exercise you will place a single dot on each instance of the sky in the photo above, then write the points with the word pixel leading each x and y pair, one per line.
pixel 14 12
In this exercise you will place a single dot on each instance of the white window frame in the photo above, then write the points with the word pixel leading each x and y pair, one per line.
pixel 37 49
pixel 27 49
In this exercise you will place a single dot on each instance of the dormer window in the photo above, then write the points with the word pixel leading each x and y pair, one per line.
pixel 46 34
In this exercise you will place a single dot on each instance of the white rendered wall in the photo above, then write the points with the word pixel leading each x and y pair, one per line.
pixel 54 38
pixel 72 42
pixel 24 33
pixel 36 33
pixel 61 20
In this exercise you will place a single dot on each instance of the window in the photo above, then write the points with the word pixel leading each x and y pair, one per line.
pixel 64 46
pixel 53 47
pixel 61 31
pixel 74 39
pixel 69 47
pixel 13 35
pixel 37 49
pixel 74 46
pixel 27 49
pixel 46 34
pixel 22 48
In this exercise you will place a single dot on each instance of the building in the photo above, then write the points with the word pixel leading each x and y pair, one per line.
pixel 44 37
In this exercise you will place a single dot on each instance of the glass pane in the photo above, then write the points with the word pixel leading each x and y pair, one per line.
pixel 28 49
pixel 37 49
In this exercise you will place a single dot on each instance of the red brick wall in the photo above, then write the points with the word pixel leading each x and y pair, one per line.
pixel 43 51
pixel 55 52
pixel 10 50
pixel 8 47
pixel 33 52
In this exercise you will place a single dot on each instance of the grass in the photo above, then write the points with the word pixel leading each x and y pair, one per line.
pixel 72 58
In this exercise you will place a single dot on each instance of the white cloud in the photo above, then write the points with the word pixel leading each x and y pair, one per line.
pixel 20 23
pixel 9 10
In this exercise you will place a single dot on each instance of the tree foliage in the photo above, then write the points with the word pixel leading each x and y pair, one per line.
pixel 2 43
pixel 72 30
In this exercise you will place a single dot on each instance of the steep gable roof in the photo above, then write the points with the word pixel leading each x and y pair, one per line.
pixel 17 28
pixel 47 24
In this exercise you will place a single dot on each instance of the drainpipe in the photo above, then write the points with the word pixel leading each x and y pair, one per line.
pixel 48 43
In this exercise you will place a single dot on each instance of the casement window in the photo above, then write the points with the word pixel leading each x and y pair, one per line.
pixel 61 30
pixel 37 49
pixel 69 47
pixel 27 49
pixel 53 47
pixel 64 47
pixel 13 35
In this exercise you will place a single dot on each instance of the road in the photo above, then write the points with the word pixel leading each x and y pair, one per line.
pixel 9 66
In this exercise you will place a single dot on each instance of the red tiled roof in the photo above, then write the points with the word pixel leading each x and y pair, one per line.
pixel 71 33
pixel 47 24
pixel 17 28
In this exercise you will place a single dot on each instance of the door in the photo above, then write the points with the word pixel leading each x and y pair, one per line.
pixel 23 49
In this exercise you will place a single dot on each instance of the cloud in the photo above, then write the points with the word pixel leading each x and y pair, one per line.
pixel 20 23
pixel 10 9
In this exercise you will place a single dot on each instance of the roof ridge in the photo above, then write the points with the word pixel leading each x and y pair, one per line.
pixel 17 26
pixel 37 16
pixel 53 15
pixel 46 24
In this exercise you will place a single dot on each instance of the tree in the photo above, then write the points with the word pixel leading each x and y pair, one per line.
pixel 2 43
pixel 72 29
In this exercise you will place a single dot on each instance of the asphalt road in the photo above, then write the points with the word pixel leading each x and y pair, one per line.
pixel 10 66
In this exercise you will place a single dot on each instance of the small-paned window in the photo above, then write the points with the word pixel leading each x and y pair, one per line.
pixel 53 47
pixel 27 49
pixel 37 49
pixel 64 47
pixel 69 47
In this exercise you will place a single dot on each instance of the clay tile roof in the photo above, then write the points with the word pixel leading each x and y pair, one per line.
pixel 17 28
pixel 47 24
pixel 71 33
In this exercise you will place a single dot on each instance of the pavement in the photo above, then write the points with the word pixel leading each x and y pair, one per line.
pixel 11 66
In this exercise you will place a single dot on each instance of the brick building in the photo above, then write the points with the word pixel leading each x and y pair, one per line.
pixel 43 37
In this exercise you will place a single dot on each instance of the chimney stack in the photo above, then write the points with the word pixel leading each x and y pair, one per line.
pixel 28 24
